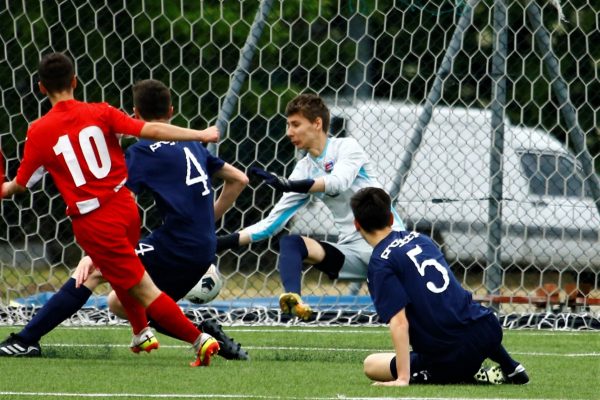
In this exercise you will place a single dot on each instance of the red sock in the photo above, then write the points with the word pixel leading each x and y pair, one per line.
pixel 135 311
pixel 168 315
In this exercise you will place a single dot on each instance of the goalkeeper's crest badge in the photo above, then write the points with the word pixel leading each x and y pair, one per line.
pixel 328 165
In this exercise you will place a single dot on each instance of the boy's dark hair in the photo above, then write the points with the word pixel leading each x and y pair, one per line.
pixel 372 208
pixel 311 107
pixel 152 99
pixel 56 72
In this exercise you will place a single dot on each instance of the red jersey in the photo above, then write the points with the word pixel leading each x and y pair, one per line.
pixel 77 144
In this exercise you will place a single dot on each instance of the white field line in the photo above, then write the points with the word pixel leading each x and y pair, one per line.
pixel 331 349
pixel 232 396
pixel 340 330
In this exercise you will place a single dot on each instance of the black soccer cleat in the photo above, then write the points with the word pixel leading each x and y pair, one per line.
pixel 229 349
pixel 518 376
pixel 14 346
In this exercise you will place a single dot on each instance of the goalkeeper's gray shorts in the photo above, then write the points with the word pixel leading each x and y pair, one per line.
pixel 357 255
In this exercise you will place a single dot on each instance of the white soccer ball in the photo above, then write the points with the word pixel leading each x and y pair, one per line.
pixel 207 288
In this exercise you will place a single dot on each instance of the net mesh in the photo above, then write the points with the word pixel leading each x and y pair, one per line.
pixel 377 63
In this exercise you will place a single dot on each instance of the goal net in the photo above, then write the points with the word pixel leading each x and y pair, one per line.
pixel 480 116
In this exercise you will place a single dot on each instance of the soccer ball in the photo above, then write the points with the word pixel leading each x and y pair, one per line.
pixel 207 288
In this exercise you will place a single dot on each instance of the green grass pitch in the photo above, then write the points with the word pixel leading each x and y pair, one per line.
pixel 297 362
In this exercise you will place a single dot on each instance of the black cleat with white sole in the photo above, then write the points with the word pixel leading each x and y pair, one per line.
pixel 518 376
pixel 229 349
pixel 14 346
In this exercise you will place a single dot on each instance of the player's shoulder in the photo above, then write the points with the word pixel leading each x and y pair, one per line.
pixel 152 147
pixel 100 105
pixel 138 146
pixel 100 111
pixel 93 106
pixel 41 125
pixel 104 111
pixel 304 164
pixel 37 123
pixel 397 243
pixel 344 141
pixel 345 145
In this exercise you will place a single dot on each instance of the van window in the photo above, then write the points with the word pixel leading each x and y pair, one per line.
pixel 553 175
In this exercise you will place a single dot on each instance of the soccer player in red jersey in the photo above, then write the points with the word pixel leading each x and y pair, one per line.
pixel 77 144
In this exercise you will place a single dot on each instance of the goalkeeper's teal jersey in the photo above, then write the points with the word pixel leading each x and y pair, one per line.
pixel 346 169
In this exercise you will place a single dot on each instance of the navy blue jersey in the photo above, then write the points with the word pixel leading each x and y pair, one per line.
pixel 178 175
pixel 407 270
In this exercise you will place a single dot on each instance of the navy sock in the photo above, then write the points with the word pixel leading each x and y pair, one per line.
pixel 158 328
pixel 292 251
pixel 67 301
pixel 501 356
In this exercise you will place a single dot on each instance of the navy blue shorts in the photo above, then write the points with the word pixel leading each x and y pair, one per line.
pixel 174 277
pixel 460 363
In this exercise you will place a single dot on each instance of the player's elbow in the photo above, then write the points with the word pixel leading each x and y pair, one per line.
pixel 237 180
pixel 242 180
pixel 336 185
pixel 19 189
pixel 399 321
pixel 11 188
pixel 150 131
pixel 232 175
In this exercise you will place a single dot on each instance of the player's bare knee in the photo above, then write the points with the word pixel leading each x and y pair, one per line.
pixel 377 367
pixel 316 252
pixel 145 291
pixel 94 280
pixel 369 366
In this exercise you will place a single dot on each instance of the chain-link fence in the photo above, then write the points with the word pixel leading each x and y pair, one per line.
pixel 481 117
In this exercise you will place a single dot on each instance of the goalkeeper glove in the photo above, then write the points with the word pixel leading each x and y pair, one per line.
pixel 282 184
pixel 226 242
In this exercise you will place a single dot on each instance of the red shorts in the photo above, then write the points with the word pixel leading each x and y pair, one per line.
pixel 109 236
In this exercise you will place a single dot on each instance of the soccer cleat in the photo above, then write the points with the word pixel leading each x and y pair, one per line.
pixel 291 303
pixel 518 376
pixel 144 341
pixel 490 375
pixel 14 346
pixel 228 348
pixel 206 346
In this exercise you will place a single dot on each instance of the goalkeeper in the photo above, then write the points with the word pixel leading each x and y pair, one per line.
pixel 176 254
pixel 332 171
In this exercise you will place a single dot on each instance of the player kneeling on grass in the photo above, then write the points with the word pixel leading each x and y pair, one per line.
pixel 414 290
pixel 175 255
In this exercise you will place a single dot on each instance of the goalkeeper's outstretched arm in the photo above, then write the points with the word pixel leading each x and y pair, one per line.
pixel 283 184
pixel 232 241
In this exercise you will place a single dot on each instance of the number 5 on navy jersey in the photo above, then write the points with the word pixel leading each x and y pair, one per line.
pixel 412 254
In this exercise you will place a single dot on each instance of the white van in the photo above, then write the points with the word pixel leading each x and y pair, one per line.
pixel 548 215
